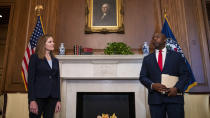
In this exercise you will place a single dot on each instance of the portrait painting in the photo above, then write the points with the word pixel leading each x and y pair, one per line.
pixel 104 16
pixel 104 13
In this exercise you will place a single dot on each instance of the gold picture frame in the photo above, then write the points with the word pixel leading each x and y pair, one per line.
pixel 104 16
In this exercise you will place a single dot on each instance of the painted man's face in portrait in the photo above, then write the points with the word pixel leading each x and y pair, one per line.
pixel 105 14
pixel 105 8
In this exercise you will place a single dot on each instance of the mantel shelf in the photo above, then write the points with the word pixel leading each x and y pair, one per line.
pixel 99 57
pixel 100 67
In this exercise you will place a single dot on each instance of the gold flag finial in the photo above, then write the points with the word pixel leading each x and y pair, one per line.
pixel 38 9
pixel 165 11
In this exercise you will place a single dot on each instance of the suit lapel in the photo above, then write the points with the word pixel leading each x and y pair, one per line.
pixel 48 63
pixel 155 62
pixel 166 60
pixel 53 62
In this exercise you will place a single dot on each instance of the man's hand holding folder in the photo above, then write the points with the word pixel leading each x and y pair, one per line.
pixel 159 87
pixel 167 85
pixel 170 82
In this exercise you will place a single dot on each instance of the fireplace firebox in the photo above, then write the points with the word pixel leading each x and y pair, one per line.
pixel 105 104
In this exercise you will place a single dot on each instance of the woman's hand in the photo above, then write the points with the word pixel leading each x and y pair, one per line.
pixel 58 107
pixel 34 107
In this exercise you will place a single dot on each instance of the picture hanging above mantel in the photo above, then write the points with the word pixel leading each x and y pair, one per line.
pixel 104 16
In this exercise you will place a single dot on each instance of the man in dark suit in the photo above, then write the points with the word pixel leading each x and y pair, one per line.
pixel 164 101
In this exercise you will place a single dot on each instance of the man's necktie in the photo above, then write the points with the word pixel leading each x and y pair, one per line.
pixel 160 60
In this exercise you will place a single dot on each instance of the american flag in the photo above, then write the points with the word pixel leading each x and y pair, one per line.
pixel 30 49
pixel 173 45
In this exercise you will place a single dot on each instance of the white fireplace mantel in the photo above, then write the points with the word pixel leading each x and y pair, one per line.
pixel 100 66
pixel 100 73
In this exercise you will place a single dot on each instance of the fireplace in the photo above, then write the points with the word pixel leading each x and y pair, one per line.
pixel 104 78
pixel 96 104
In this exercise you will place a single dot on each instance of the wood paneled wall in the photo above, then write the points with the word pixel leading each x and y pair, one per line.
pixel 3 36
pixel 49 15
pixel 15 44
pixel 186 18
pixel 142 18
pixel 65 19
pixel 176 16
pixel 198 45
pixel 139 21
pixel 206 13
pixel 21 24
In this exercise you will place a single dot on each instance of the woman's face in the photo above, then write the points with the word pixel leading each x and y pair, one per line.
pixel 49 45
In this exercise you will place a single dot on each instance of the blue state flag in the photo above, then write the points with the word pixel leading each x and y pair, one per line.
pixel 173 45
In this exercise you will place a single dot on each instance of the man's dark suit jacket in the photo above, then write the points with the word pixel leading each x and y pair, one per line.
pixel 151 73
pixel 43 82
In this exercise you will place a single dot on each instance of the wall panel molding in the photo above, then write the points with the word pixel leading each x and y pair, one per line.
pixel 206 15
pixel 158 16
pixel 15 46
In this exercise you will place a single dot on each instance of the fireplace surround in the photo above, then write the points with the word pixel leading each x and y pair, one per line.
pixel 100 74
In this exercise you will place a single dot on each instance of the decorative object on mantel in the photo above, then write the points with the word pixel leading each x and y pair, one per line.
pixel 104 16
pixel 87 51
pixel 151 48
pixel 77 49
pixel 117 48
pixel 145 49
pixel 62 49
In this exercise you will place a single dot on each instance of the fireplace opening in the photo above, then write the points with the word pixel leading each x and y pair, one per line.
pixel 105 105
